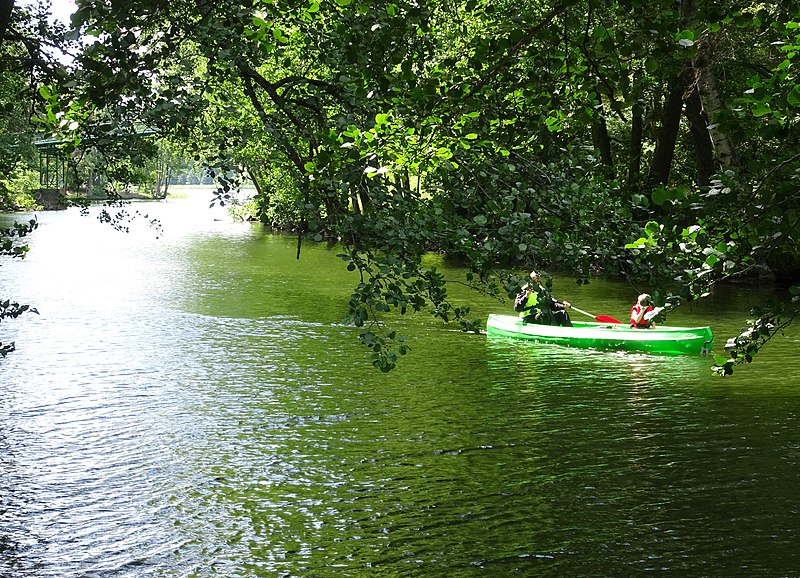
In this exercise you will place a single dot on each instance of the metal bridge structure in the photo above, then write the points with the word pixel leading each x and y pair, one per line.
pixel 53 169
pixel 52 173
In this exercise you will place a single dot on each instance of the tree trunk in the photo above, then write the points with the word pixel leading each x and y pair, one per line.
pixel 6 7
pixel 255 177
pixel 667 133
pixel 405 183
pixel 90 184
pixel 355 202
pixel 711 101
pixel 637 134
pixel 167 179
pixel 601 140
pixel 698 128
pixel 363 199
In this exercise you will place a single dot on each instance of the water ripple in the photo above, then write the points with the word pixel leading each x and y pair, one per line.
pixel 183 412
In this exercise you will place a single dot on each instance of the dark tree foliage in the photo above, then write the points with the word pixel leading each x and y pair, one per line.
pixel 494 132
pixel 11 246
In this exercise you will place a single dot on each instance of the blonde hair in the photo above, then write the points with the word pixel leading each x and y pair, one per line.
pixel 644 299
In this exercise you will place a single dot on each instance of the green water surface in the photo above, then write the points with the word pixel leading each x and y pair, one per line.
pixel 192 406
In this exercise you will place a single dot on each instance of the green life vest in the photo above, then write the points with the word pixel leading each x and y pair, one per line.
pixel 531 303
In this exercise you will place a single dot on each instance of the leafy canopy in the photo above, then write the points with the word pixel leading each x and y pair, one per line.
pixel 603 138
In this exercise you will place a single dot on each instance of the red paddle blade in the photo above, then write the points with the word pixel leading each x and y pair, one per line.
pixel 606 319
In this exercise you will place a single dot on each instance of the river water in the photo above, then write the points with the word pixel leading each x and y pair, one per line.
pixel 191 405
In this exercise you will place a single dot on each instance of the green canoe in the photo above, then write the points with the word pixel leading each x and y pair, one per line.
pixel 665 340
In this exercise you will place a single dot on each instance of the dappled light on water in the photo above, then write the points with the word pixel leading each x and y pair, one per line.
pixel 193 406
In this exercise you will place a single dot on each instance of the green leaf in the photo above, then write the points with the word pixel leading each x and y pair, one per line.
pixel 640 243
pixel 599 32
pixel 794 97
pixel 761 109
pixel 444 153
pixel 660 196
pixel 652 228
pixel 323 158
pixel 640 201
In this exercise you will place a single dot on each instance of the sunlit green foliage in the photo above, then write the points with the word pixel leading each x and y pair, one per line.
pixel 643 139
pixel 17 188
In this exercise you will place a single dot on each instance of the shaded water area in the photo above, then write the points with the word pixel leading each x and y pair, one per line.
pixel 192 406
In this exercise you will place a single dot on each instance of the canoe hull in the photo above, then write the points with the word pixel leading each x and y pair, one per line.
pixel 661 340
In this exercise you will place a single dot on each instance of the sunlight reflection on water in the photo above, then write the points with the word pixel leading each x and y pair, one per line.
pixel 182 407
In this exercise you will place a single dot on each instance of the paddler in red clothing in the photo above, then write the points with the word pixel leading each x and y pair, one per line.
pixel 639 317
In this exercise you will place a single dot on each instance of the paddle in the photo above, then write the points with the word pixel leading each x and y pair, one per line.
pixel 650 314
pixel 598 318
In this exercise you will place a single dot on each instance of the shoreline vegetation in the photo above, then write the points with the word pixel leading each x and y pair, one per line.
pixel 646 141
pixel 239 207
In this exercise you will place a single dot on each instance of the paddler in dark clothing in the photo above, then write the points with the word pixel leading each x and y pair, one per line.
pixel 541 307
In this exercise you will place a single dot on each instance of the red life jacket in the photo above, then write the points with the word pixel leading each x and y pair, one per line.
pixel 637 316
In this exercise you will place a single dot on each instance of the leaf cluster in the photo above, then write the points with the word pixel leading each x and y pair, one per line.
pixel 505 135
pixel 10 246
